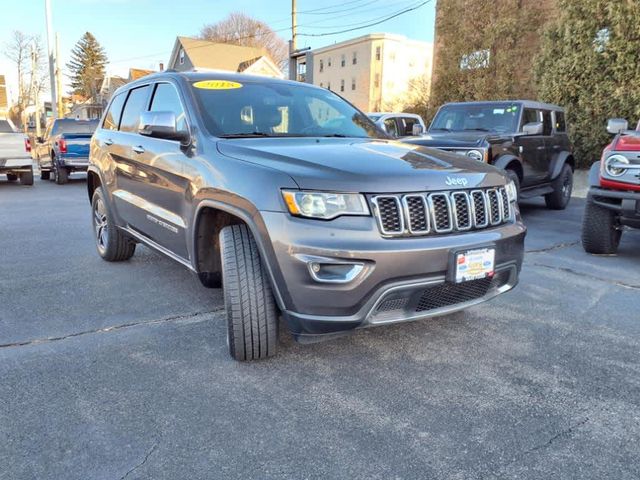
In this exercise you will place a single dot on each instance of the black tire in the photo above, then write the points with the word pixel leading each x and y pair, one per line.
pixel 562 188
pixel 62 174
pixel 516 180
pixel 252 315
pixel 26 178
pixel 600 230
pixel 113 245
pixel 45 174
pixel 12 177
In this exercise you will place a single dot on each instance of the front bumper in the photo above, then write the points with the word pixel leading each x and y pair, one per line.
pixel 625 203
pixel 396 275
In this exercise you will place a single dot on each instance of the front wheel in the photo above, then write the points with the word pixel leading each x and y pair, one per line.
pixel 513 176
pixel 12 177
pixel 600 230
pixel 562 188
pixel 26 178
pixel 113 244
pixel 252 315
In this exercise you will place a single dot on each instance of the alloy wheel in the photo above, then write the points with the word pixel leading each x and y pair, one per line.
pixel 101 225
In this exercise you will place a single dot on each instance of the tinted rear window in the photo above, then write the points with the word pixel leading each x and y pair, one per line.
pixel 74 126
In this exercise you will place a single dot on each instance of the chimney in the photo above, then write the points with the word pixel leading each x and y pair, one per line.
pixel 161 66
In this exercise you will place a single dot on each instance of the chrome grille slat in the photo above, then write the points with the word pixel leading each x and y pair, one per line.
pixel 442 212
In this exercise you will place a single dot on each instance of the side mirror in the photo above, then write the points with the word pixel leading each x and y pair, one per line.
pixel 161 125
pixel 417 129
pixel 533 128
pixel 617 125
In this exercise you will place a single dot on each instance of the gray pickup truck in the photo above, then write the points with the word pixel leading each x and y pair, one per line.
pixel 15 159
pixel 298 205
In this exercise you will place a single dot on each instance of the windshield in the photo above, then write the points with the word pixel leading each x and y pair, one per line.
pixel 270 109
pixel 74 126
pixel 492 117
pixel 375 118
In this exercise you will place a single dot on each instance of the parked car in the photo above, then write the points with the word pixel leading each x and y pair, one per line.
pixel 15 159
pixel 613 201
pixel 64 148
pixel 528 140
pixel 287 196
pixel 399 125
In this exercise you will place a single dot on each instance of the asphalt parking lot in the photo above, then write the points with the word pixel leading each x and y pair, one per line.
pixel 112 371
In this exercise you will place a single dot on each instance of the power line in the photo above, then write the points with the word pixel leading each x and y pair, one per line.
pixel 365 26
pixel 362 22
pixel 340 10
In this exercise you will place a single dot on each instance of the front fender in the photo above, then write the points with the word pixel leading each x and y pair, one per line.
pixel 504 160
pixel 594 175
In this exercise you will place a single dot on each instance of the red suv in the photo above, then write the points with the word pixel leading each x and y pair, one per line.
pixel 614 193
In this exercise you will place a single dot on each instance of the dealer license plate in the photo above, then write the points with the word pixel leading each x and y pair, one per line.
pixel 474 264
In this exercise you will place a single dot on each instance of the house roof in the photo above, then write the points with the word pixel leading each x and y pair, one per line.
pixel 136 73
pixel 218 56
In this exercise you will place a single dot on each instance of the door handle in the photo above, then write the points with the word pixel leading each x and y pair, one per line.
pixel 138 149
pixel 108 142
pixel 540 148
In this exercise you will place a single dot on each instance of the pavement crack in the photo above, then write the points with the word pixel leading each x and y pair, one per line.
pixel 564 433
pixel 557 246
pixel 593 277
pixel 113 328
pixel 146 457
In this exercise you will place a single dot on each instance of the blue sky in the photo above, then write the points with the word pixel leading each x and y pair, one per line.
pixel 140 33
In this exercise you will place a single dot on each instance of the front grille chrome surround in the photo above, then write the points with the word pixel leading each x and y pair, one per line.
pixel 416 214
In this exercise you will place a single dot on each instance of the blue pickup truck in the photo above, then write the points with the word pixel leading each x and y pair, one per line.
pixel 64 148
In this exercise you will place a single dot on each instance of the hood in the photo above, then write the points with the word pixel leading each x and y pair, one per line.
pixel 469 139
pixel 628 143
pixel 363 165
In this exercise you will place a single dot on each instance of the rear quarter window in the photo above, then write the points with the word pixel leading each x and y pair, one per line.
pixel 546 122
pixel 112 118
pixel 561 125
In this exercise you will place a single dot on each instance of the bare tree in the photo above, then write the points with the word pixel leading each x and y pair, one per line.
pixel 241 29
pixel 27 53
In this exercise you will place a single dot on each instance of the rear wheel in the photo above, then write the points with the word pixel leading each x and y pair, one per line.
pixel 62 174
pixel 113 244
pixel 562 187
pixel 26 178
pixel 252 315
pixel 12 177
pixel 600 230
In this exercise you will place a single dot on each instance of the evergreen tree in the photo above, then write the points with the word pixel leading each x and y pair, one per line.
pixel 590 64
pixel 87 66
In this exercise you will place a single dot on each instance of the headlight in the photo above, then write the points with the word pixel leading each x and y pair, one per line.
pixel 612 160
pixel 476 155
pixel 512 191
pixel 324 205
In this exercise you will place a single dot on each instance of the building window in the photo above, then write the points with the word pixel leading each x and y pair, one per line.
pixel 378 53
pixel 355 58
pixel 376 81
pixel 353 84
pixel 343 60
pixel 329 62
pixel 475 60
pixel 182 56
pixel 342 85
pixel 321 65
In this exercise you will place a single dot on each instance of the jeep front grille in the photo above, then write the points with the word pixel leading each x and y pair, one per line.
pixel 441 212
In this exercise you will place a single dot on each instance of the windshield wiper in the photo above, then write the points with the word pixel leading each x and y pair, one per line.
pixel 441 128
pixel 247 135
pixel 477 129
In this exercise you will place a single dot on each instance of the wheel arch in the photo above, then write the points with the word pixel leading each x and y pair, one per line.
pixel 559 161
pixel 510 162
pixel 210 217
pixel 93 181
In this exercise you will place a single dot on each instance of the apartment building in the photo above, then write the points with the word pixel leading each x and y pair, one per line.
pixel 375 72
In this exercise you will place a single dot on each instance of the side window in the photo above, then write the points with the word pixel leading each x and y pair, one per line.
pixel 407 125
pixel 112 118
pixel 561 125
pixel 136 104
pixel 530 116
pixel 166 99
pixel 391 127
pixel 546 123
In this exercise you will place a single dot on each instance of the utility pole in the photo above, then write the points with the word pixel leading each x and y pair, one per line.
pixel 59 78
pixel 52 59
pixel 293 60
pixel 34 89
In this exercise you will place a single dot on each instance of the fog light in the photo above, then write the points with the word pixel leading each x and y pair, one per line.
pixel 315 267
pixel 335 272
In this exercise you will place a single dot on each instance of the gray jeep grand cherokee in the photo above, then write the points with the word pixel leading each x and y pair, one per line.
pixel 298 205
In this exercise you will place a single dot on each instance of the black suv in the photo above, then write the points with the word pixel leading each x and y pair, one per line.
pixel 526 139
pixel 299 205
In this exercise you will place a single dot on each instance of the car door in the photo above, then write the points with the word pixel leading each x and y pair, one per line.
pixel 531 149
pixel 549 146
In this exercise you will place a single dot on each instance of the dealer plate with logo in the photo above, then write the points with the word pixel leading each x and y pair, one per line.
pixel 474 264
